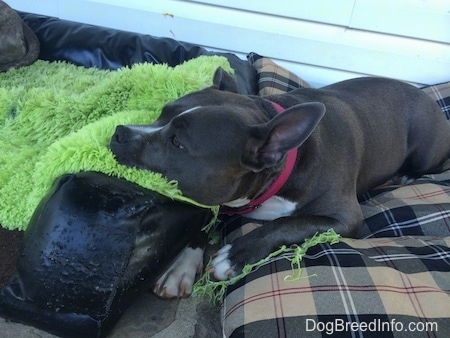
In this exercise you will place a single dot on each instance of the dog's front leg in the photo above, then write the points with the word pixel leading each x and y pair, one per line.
pixel 260 242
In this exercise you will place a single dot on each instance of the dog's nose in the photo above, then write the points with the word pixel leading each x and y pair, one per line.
pixel 121 135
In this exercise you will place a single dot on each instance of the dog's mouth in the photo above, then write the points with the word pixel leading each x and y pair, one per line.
pixel 123 155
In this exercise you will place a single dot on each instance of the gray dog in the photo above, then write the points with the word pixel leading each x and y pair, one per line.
pixel 284 160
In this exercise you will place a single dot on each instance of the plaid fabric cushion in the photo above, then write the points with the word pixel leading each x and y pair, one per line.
pixel 393 282
pixel 388 287
pixel 420 208
pixel 273 79
pixel 441 93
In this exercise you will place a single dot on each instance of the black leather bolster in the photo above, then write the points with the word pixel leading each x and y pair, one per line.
pixel 106 48
pixel 93 245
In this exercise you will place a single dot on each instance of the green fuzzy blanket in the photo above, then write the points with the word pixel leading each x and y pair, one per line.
pixel 57 118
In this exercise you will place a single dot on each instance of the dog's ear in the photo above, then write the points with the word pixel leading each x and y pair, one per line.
pixel 224 81
pixel 271 141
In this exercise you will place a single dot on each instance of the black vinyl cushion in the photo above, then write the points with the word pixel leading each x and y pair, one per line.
pixel 106 48
pixel 93 244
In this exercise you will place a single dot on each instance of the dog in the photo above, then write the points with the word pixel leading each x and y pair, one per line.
pixel 315 150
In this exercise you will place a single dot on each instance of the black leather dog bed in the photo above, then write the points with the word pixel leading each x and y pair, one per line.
pixel 93 244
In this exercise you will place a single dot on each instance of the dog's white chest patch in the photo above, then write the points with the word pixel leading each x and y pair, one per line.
pixel 275 207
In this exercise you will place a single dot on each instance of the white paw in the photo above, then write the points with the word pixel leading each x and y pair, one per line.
pixel 221 265
pixel 177 281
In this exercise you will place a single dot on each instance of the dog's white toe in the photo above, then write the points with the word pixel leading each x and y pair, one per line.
pixel 224 250
pixel 178 280
pixel 221 265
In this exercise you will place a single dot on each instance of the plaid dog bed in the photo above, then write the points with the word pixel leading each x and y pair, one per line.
pixel 380 287
pixel 392 282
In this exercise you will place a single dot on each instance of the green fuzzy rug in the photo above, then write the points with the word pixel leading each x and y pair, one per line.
pixel 58 118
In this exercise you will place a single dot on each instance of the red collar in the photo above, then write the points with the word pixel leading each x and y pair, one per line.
pixel 274 187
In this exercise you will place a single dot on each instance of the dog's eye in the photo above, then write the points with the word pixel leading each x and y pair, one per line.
pixel 176 143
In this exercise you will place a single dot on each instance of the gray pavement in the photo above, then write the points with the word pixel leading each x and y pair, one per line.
pixel 148 317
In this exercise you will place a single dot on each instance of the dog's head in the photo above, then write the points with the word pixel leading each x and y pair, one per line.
pixel 213 140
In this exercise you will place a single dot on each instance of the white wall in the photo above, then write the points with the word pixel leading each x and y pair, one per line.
pixel 323 41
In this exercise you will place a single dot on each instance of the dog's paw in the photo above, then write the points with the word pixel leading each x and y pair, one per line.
pixel 178 280
pixel 231 258
pixel 221 264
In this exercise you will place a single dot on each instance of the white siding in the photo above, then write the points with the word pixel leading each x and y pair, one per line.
pixel 323 41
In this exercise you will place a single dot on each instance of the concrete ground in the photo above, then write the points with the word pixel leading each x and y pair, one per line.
pixel 149 317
